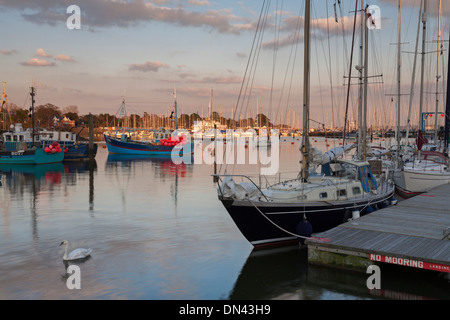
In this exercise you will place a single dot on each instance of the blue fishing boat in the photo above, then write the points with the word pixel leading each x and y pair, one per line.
pixel 125 145
pixel 148 142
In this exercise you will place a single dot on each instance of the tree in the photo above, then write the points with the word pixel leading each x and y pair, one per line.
pixel 44 114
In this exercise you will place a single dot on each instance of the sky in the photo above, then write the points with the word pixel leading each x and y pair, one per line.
pixel 142 50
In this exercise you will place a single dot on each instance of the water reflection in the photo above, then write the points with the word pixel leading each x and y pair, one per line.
pixel 285 274
pixel 162 169
pixel 19 178
pixel 268 274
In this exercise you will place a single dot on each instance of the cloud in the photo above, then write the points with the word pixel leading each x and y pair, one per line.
pixel 8 52
pixel 106 13
pixel 35 62
pixel 41 53
pixel 63 57
pixel 221 80
pixel 292 29
pixel 148 66
pixel 198 2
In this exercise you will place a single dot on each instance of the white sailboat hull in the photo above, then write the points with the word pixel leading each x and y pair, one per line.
pixel 420 181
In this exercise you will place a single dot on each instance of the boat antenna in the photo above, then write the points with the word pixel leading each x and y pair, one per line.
pixel 176 112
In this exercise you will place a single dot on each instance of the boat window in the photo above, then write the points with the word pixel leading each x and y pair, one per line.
pixel 8 138
pixel 15 138
pixel 67 136
pixel 342 192
pixel 323 195
pixel 356 190
pixel 21 138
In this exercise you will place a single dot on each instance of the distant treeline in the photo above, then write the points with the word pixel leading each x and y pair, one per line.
pixel 46 114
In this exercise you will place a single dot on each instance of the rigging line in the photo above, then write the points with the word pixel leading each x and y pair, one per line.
pixel 249 58
pixel 328 66
pixel 255 43
pixel 350 73
pixel 255 59
pixel 320 83
pixel 249 86
pixel 344 40
pixel 294 49
pixel 275 52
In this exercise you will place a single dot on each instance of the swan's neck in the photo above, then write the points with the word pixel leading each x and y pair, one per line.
pixel 65 252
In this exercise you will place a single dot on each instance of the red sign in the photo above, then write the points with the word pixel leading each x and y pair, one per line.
pixel 410 263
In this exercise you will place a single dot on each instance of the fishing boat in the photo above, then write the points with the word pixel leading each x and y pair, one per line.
pixel 289 211
pixel 21 147
pixel 72 147
pixel 148 142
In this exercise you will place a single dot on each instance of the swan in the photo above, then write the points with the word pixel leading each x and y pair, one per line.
pixel 76 254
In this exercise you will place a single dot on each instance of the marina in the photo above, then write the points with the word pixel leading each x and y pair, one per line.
pixel 414 233
pixel 149 240
pixel 303 177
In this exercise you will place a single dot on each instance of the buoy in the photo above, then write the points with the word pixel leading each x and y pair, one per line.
pixel 394 201
pixel 370 209
pixel 304 229
pixel 47 149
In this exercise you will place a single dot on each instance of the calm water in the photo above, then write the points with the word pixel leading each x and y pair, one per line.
pixel 158 231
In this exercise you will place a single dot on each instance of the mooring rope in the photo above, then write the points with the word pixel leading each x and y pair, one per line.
pixel 282 229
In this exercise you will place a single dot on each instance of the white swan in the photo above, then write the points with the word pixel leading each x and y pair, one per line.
pixel 76 254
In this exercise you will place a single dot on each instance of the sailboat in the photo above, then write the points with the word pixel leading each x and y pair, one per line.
pixel 424 170
pixel 289 211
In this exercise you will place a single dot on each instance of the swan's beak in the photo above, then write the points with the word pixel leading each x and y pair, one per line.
pixel 61 243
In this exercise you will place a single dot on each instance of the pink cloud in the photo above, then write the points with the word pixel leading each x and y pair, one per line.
pixel 35 62
pixel 63 57
pixel 148 66
pixel 41 53
pixel 8 52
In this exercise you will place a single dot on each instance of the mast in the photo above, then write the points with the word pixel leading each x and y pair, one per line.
pixel 413 80
pixel 437 75
pixel 447 112
pixel 32 94
pixel 306 87
pixel 360 68
pixel 366 81
pixel 424 36
pixel 176 111
pixel 399 67
pixel 4 101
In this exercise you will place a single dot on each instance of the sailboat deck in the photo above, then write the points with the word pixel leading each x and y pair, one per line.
pixel 417 229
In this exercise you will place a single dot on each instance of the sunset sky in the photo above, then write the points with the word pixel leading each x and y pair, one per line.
pixel 142 50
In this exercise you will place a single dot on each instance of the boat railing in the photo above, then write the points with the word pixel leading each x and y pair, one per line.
pixel 220 176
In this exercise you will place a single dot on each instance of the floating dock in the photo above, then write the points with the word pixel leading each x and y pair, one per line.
pixel 414 233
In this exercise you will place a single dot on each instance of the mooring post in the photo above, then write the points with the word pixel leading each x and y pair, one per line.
pixel 91 136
